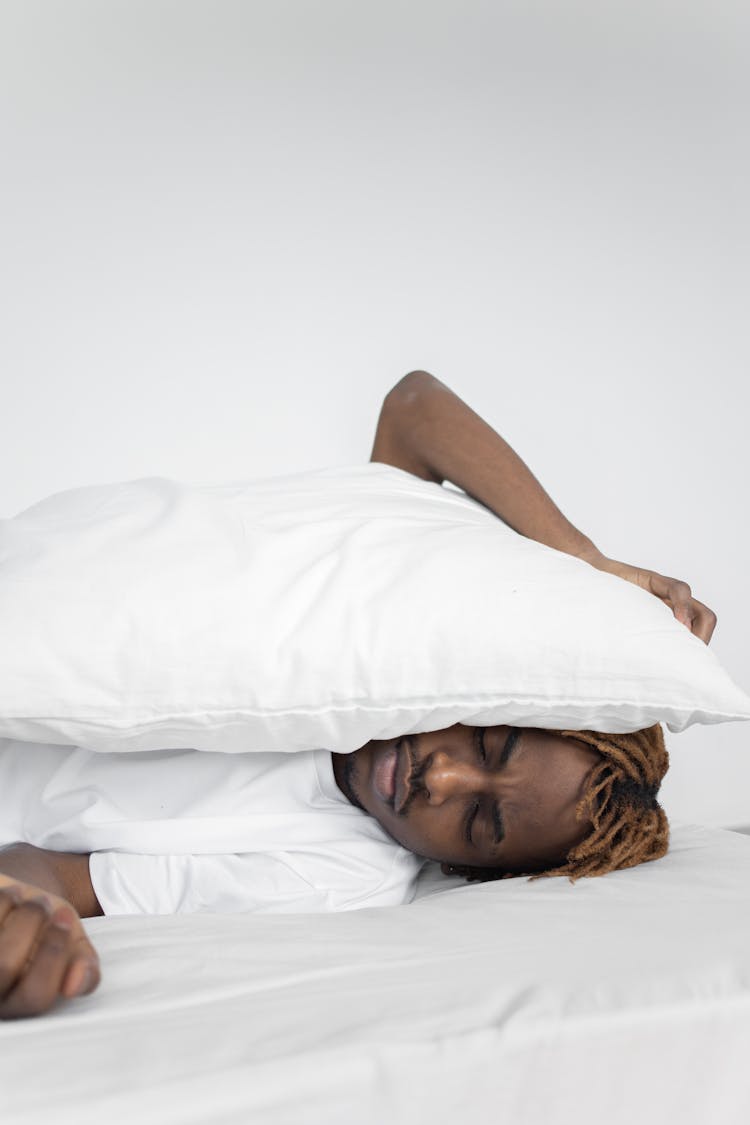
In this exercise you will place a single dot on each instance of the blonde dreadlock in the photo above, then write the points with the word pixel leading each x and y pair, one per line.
pixel 629 825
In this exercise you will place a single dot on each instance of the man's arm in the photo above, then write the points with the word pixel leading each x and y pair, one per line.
pixel 44 951
pixel 63 874
pixel 429 431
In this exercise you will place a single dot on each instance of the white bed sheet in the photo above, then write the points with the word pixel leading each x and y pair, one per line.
pixel 617 999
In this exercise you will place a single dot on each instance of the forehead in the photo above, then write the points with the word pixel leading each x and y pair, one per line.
pixel 548 756
pixel 541 811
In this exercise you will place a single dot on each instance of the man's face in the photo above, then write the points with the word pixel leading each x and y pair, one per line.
pixel 482 797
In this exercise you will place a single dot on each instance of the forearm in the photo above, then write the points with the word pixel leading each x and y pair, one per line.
pixel 61 874
pixel 23 863
pixel 427 429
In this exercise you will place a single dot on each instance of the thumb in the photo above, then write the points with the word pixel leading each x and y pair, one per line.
pixel 83 973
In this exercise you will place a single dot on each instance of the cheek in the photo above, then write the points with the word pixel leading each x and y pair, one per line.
pixel 410 832
pixel 428 835
pixel 407 833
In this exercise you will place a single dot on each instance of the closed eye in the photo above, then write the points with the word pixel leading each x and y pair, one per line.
pixel 469 822
pixel 498 829
pixel 479 742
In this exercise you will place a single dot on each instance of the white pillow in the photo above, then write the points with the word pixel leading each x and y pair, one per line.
pixel 320 610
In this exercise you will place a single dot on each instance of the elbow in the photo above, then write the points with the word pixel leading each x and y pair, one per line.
pixel 403 436
pixel 404 403
pixel 410 388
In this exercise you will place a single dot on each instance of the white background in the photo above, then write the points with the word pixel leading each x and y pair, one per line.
pixel 228 228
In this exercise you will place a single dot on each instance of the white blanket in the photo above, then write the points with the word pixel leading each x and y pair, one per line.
pixel 619 999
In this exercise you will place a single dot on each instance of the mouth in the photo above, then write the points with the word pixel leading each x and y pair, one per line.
pixel 384 773
pixel 404 775
pixel 392 772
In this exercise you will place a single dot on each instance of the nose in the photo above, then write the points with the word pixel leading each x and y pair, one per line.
pixel 447 777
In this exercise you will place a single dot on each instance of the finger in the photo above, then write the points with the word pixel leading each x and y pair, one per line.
pixel 677 594
pixel 83 974
pixel 703 621
pixel 10 897
pixel 18 935
pixel 82 978
pixel 39 986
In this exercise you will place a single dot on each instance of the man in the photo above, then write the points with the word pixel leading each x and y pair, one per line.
pixel 502 801
pixel 166 831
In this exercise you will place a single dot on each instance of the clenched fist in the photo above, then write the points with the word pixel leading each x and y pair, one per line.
pixel 45 954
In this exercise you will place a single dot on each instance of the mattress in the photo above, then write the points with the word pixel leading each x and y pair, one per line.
pixel 615 999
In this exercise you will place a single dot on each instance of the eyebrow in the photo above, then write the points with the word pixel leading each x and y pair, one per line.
pixel 510 744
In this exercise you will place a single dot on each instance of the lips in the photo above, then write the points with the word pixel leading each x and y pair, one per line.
pixel 403 778
pixel 384 773
pixel 392 771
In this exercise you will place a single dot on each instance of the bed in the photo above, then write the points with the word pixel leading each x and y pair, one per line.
pixel 618 999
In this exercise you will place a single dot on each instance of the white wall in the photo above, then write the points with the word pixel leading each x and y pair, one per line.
pixel 228 228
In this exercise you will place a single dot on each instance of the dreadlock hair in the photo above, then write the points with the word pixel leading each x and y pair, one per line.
pixel 629 826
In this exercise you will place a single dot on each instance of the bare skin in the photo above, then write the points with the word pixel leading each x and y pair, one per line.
pixel 493 797
pixel 441 781
pixel 426 429
pixel 45 954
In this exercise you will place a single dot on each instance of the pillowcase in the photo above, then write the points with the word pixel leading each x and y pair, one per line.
pixel 320 610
